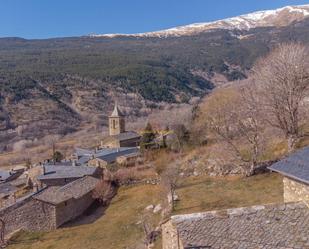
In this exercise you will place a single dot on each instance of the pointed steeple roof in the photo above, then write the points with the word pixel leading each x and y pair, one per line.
pixel 116 112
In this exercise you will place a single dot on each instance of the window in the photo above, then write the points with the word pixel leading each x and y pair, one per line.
pixel 114 124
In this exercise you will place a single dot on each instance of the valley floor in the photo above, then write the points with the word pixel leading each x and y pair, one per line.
pixel 120 225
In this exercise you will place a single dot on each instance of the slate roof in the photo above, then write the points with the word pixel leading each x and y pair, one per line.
pixel 56 172
pixel 284 226
pixel 74 190
pixel 124 136
pixel 107 153
pixel 83 160
pixel 7 189
pixel 4 175
pixel 111 157
pixel 63 163
pixel 82 152
pixel 295 166
pixel 9 175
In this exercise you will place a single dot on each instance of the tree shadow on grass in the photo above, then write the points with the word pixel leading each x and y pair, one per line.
pixel 92 214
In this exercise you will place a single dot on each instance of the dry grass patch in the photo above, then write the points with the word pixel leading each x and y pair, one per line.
pixel 204 193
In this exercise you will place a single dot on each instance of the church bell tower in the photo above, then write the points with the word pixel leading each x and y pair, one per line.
pixel 116 122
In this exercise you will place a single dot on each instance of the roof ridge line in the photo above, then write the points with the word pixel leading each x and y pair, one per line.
pixel 225 213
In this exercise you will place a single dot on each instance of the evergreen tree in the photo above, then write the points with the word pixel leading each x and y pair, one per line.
pixel 148 137
pixel 57 156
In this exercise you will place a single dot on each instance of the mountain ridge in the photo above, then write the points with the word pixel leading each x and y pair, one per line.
pixel 266 18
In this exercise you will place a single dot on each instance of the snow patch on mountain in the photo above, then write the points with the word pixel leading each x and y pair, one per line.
pixel 279 17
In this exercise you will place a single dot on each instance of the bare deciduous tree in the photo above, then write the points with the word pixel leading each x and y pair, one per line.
pixel 150 232
pixel 233 115
pixel 104 191
pixel 169 181
pixel 282 79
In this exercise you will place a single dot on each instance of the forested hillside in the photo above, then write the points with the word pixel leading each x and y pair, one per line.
pixel 49 84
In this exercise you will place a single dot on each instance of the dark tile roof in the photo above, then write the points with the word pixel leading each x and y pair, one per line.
pixel 284 226
pixel 83 160
pixel 123 136
pixel 111 157
pixel 56 172
pixel 127 135
pixel 4 175
pixel 7 189
pixel 9 175
pixel 295 166
pixel 63 163
pixel 83 152
pixel 110 154
pixel 73 190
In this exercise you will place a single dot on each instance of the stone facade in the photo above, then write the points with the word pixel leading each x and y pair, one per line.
pixel 49 208
pixel 29 214
pixel 170 238
pixel 116 125
pixel 295 191
pixel 71 209
pixel 130 160
pixel 116 122
pixel 97 162
pixel 111 143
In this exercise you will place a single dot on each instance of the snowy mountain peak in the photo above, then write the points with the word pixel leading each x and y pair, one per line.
pixel 279 17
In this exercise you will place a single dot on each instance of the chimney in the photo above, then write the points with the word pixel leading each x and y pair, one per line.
pixel 35 187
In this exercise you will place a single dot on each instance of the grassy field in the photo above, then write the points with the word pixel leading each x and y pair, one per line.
pixel 204 193
pixel 119 228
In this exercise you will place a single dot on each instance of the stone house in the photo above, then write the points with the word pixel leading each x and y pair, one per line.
pixel 118 136
pixel 10 190
pixel 281 226
pixel 49 208
pixel 295 170
pixel 104 159
pixel 130 159
pixel 69 201
pixel 9 175
pixel 62 175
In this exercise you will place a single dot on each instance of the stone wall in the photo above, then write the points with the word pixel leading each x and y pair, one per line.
pixel 170 237
pixel 72 208
pixel 113 143
pixel 133 142
pixel 97 162
pixel 295 191
pixel 29 214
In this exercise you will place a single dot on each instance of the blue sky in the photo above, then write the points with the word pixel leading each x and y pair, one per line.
pixel 62 18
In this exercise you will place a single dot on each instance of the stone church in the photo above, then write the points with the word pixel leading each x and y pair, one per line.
pixel 118 136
